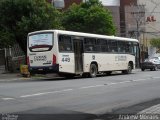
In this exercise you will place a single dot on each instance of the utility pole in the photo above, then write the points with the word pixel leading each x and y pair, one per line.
pixel 138 13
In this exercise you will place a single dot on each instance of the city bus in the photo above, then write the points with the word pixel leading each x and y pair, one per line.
pixel 75 53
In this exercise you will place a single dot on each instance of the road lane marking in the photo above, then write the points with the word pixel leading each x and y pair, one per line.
pixel 44 93
pixel 85 87
pixel 139 80
pixel 156 77
pixel 91 86
pixel 8 98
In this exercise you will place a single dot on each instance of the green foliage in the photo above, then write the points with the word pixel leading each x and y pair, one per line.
pixel 18 17
pixel 89 17
pixel 155 42
pixel 6 40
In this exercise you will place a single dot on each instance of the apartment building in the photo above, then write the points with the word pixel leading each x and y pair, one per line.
pixel 114 7
pixel 152 24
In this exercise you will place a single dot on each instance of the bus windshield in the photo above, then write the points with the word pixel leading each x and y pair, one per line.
pixel 40 42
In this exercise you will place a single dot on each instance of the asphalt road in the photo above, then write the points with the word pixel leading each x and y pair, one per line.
pixel 83 98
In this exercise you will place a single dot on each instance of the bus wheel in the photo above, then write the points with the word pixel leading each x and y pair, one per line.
pixel 93 71
pixel 129 70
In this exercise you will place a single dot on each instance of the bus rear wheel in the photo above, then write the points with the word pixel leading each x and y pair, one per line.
pixel 93 71
pixel 129 69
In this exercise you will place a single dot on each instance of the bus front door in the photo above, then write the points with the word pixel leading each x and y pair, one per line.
pixel 78 50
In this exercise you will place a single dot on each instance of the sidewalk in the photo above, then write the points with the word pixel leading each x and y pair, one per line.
pixel 8 76
pixel 151 110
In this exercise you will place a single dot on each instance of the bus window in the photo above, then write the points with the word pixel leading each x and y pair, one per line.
pixel 112 46
pixel 121 47
pixel 89 44
pixel 129 47
pixel 65 43
pixel 40 42
pixel 102 45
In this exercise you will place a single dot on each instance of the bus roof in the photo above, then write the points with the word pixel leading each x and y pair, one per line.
pixel 85 34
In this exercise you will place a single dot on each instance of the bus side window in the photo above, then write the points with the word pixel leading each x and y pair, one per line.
pixel 129 48
pixel 89 44
pixel 65 43
pixel 121 47
pixel 112 46
pixel 102 45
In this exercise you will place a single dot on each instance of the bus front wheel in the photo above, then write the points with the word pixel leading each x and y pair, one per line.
pixel 93 71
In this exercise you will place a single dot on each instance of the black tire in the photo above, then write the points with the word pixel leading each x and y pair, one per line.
pixel 142 69
pixel 93 71
pixel 129 70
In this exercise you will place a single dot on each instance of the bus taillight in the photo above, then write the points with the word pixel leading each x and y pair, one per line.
pixel 54 59
pixel 28 60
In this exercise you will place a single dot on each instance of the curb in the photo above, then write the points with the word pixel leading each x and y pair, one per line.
pixel 152 110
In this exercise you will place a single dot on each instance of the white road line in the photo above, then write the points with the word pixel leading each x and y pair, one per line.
pixel 124 82
pixel 8 98
pixel 156 77
pixel 85 87
pixel 111 83
pixel 91 86
pixel 44 93
pixel 139 80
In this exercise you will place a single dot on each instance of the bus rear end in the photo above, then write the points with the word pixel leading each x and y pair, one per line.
pixel 41 57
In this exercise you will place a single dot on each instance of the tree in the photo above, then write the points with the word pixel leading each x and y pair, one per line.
pixel 155 42
pixel 19 17
pixel 90 17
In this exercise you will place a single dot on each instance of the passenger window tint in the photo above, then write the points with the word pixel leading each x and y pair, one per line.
pixel 129 47
pixel 89 44
pixel 112 46
pixel 102 45
pixel 65 43
pixel 121 47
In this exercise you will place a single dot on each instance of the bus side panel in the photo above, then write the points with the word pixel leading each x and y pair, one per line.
pixel 66 62
pixel 107 62
pixel 104 64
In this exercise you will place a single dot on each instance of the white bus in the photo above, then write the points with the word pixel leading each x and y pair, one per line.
pixel 74 53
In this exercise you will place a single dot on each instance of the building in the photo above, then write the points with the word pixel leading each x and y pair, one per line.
pixel 152 24
pixel 124 5
pixel 114 7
